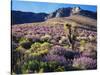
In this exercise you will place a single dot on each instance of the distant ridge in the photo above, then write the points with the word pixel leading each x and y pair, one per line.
pixel 66 12
pixel 19 17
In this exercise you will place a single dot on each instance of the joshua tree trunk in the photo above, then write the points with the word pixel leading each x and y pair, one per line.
pixel 71 35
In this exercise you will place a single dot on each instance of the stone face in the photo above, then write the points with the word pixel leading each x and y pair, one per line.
pixel 66 12
pixel 75 10
pixel 61 12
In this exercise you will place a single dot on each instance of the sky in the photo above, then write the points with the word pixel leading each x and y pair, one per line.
pixel 37 7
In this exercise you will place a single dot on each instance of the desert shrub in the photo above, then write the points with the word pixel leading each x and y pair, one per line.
pixel 45 45
pixel 82 42
pixel 30 67
pixel 82 45
pixel 44 66
pixel 21 53
pixel 46 38
pixel 52 65
pixel 67 53
pixel 17 57
pixel 20 49
pixel 39 49
pixel 38 53
pixel 35 46
pixel 55 58
pixel 57 63
pixel 40 46
pixel 90 53
pixel 48 66
pixel 57 50
pixel 60 69
pixel 85 63
pixel 34 66
pixel 23 39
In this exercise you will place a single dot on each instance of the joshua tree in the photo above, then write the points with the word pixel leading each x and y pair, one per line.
pixel 71 34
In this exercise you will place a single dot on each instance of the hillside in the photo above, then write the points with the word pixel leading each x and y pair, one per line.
pixel 19 17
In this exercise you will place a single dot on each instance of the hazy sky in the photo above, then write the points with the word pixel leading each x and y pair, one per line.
pixel 37 7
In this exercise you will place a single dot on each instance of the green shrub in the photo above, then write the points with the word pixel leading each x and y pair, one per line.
pixel 20 49
pixel 82 45
pixel 49 66
pixel 30 66
pixel 23 39
pixel 44 66
pixel 35 66
pixel 39 49
pixel 45 45
pixel 35 46
pixel 60 69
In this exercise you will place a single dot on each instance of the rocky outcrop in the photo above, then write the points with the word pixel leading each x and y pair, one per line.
pixel 75 10
pixel 66 12
pixel 61 12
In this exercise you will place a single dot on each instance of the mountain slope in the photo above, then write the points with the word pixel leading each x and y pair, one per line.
pixel 19 17
pixel 65 12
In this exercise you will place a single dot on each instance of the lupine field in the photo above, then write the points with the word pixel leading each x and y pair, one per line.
pixel 53 47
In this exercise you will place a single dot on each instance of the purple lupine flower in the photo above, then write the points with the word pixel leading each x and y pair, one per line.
pixel 67 53
pixel 58 50
pixel 91 54
pixel 56 58
pixel 85 63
